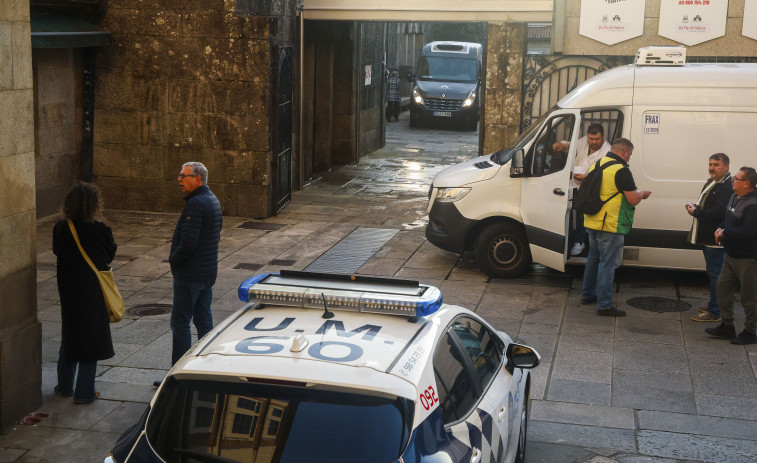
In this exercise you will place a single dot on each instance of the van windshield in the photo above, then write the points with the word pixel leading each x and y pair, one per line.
pixel 445 69
pixel 504 155
pixel 215 421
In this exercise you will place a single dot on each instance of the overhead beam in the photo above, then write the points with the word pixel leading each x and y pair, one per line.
pixel 430 10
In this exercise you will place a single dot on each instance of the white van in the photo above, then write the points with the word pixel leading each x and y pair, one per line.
pixel 514 206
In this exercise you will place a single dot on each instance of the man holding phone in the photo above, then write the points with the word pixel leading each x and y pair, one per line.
pixel 708 213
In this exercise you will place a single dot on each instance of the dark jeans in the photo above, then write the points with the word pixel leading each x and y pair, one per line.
pixel 191 302
pixel 713 258
pixel 85 380
pixel 393 110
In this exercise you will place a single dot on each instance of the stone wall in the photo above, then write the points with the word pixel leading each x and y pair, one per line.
pixel 371 113
pixel 20 332
pixel 188 81
pixel 731 44
pixel 58 80
pixel 504 83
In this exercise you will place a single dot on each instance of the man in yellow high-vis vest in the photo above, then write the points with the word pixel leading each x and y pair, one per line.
pixel 609 226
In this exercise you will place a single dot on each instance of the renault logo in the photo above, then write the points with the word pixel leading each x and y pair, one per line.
pixel 444 96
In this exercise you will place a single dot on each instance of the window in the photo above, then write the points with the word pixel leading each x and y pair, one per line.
pixel 455 387
pixel 483 347
pixel 543 158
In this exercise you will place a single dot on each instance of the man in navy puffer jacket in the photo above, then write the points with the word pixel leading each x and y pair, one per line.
pixel 194 258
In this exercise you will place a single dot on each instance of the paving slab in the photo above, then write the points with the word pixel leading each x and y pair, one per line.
pixel 727 379
pixel 582 436
pixel 643 390
pixel 647 356
pixel 694 424
pixel 584 392
pixel 577 365
pixel 589 415
pixel 697 447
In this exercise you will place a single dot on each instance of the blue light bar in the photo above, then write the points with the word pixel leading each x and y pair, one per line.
pixel 342 292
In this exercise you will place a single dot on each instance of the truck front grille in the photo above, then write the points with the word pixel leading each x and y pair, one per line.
pixel 442 104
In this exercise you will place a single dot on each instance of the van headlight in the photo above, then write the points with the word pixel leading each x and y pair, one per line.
pixel 471 98
pixel 451 195
pixel 417 95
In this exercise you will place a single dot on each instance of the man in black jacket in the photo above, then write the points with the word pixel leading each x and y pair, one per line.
pixel 708 213
pixel 739 236
pixel 194 258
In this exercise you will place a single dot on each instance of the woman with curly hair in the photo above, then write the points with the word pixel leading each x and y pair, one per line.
pixel 85 322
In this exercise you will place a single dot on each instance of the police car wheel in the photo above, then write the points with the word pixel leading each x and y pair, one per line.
pixel 502 250
pixel 520 454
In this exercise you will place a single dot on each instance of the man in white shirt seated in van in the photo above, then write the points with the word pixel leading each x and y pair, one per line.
pixel 589 150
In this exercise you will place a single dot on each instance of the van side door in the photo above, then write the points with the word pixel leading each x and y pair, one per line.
pixel 545 190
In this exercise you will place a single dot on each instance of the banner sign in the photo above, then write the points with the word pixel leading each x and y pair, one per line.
pixel 750 19
pixel 692 21
pixel 612 21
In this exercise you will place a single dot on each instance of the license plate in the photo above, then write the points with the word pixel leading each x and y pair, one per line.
pixel 442 114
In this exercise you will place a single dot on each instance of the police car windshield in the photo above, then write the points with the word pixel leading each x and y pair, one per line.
pixel 226 422
pixel 444 69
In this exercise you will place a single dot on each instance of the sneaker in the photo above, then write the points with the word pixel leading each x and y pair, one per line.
pixel 702 309
pixel 588 301
pixel 577 249
pixel 745 337
pixel 86 401
pixel 706 317
pixel 612 312
pixel 60 394
pixel 721 331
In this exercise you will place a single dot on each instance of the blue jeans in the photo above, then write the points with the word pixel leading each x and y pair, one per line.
pixel 605 254
pixel 191 301
pixel 713 258
pixel 85 380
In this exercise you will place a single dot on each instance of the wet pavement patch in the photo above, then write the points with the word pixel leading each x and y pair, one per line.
pixel 658 304
pixel 246 266
pixel 540 276
pixel 283 262
pixel 252 225
pixel 146 310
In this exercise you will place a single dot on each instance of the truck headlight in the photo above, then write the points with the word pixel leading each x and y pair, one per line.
pixel 451 195
pixel 471 98
pixel 417 95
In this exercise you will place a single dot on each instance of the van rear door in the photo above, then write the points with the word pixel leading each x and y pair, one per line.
pixel 546 188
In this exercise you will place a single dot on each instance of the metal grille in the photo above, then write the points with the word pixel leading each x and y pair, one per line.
pixel 354 250
pixel 483 165
pixel 443 104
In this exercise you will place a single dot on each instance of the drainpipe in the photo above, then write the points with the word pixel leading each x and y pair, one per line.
pixel 88 112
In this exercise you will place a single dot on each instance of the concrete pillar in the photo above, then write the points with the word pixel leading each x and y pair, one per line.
pixel 504 84
pixel 20 332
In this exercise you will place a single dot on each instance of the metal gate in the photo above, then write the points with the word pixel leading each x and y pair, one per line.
pixel 548 78
pixel 283 131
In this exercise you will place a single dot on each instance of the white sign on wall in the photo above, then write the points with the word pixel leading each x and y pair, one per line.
pixel 750 19
pixel 612 21
pixel 368 72
pixel 692 21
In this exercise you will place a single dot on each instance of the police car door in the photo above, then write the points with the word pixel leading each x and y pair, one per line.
pixel 470 422
pixel 545 189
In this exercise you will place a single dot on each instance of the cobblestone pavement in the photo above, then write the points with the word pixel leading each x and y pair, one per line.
pixel 650 387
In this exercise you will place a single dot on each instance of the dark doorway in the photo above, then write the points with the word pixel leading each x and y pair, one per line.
pixel 283 131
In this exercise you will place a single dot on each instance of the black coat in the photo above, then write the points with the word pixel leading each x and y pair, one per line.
pixel 86 326
pixel 711 213
pixel 194 247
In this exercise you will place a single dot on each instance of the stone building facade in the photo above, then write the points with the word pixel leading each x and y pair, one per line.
pixel 189 81
pixel 20 332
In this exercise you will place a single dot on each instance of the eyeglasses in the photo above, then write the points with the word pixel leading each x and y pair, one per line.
pixel 741 179
pixel 183 176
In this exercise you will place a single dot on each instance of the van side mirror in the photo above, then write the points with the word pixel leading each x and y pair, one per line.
pixel 520 356
pixel 516 164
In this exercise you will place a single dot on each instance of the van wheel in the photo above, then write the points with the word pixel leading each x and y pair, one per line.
pixel 502 250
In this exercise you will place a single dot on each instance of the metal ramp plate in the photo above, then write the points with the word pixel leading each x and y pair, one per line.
pixel 354 250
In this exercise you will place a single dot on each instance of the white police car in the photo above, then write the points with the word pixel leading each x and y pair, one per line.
pixel 319 368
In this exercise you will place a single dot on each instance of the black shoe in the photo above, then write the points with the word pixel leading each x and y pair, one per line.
pixel 157 383
pixel 612 312
pixel 722 331
pixel 588 301
pixel 745 337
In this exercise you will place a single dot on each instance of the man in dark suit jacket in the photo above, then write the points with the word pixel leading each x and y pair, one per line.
pixel 194 258
pixel 708 213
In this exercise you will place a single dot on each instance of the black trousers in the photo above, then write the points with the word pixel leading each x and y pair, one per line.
pixel 393 110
